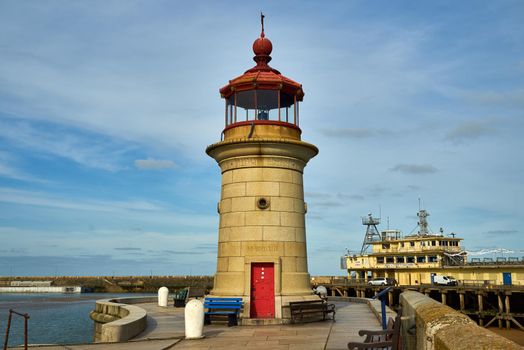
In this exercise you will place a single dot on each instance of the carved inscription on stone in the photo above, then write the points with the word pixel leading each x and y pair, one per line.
pixel 259 248
pixel 269 162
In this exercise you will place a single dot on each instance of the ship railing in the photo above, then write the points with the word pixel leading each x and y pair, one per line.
pixel 497 261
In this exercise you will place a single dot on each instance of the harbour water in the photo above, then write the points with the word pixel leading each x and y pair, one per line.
pixel 54 318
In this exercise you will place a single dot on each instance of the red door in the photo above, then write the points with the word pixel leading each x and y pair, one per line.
pixel 262 290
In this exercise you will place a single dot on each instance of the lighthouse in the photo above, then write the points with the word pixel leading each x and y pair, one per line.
pixel 262 254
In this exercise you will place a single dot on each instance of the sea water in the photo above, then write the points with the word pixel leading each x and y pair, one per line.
pixel 54 318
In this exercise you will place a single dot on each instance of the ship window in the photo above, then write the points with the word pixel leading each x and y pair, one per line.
pixel 402 244
pixel 411 244
pixel 411 259
pixel 433 243
pixel 432 259
pixel 421 259
pixel 385 246
pixel 400 259
pixel 380 259
pixel 390 259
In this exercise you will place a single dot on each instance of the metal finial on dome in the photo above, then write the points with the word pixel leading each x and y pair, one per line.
pixel 262 47
pixel 262 21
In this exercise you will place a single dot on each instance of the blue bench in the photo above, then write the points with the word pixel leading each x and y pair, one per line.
pixel 229 307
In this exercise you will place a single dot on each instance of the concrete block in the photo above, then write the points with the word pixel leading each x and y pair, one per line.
pixel 234 190
pixel 243 203
pixel 299 206
pixel 289 264
pixel 229 249
pixel 297 178
pixel 225 205
pixel 282 204
pixel 222 264
pixel 295 249
pixel 277 175
pixel 223 234
pixel 229 283
pixel 248 174
pixel 232 219
pixel 300 234
pixel 262 218
pixel 296 283
pixel 301 264
pixel 236 264
pixel 292 219
pixel 278 233
pixel 227 177
pixel 291 190
pixel 262 188
pixel 246 233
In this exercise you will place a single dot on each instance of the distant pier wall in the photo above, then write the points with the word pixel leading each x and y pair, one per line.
pixel 430 325
pixel 117 320
pixel 61 289
pixel 116 284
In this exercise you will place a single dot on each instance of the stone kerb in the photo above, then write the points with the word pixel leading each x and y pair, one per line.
pixel 116 322
pixel 430 325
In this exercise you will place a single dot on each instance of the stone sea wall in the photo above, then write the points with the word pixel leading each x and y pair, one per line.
pixel 117 320
pixel 430 325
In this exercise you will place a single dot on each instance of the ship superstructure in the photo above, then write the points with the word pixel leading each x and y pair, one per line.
pixel 416 258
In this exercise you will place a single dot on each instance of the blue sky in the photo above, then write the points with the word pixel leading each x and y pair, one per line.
pixel 106 108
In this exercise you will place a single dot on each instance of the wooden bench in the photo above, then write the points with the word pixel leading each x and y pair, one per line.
pixel 384 339
pixel 312 310
pixel 229 307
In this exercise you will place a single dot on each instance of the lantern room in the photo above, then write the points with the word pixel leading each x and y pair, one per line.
pixel 262 95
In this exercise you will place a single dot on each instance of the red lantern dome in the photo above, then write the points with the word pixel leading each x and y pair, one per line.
pixel 262 94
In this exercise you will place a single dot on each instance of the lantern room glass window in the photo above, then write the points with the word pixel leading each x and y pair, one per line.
pixel 261 105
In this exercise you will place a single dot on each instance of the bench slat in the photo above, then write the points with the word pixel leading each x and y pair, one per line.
pixel 224 307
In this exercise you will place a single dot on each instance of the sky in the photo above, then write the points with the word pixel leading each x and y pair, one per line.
pixel 106 108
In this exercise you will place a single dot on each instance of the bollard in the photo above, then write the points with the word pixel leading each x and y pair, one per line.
pixel 194 319
pixel 163 292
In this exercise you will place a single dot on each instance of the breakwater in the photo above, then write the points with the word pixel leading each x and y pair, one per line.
pixel 118 284
pixel 64 289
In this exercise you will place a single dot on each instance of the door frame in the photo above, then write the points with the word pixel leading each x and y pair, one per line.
pixel 267 264
pixel 277 271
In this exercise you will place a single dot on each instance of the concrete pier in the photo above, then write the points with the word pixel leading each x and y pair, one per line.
pixel 165 330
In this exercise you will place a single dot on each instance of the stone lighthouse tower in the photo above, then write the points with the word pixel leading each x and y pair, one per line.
pixel 262 253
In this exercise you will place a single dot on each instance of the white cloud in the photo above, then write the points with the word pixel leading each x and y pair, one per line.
pixel 9 171
pixel 90 150
pixel 154 164
pixel 42 199
pixel 470 130
pixel 417 169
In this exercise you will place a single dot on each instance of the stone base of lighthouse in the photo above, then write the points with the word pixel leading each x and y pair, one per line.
pixel 262 254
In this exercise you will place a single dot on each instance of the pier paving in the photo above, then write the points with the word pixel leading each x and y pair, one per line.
pixel 165 330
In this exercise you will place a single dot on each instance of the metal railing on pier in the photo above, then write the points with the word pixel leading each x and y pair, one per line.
pixel 26 317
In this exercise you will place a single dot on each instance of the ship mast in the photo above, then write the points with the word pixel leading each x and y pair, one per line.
pixel 372 234
pixel 423 222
